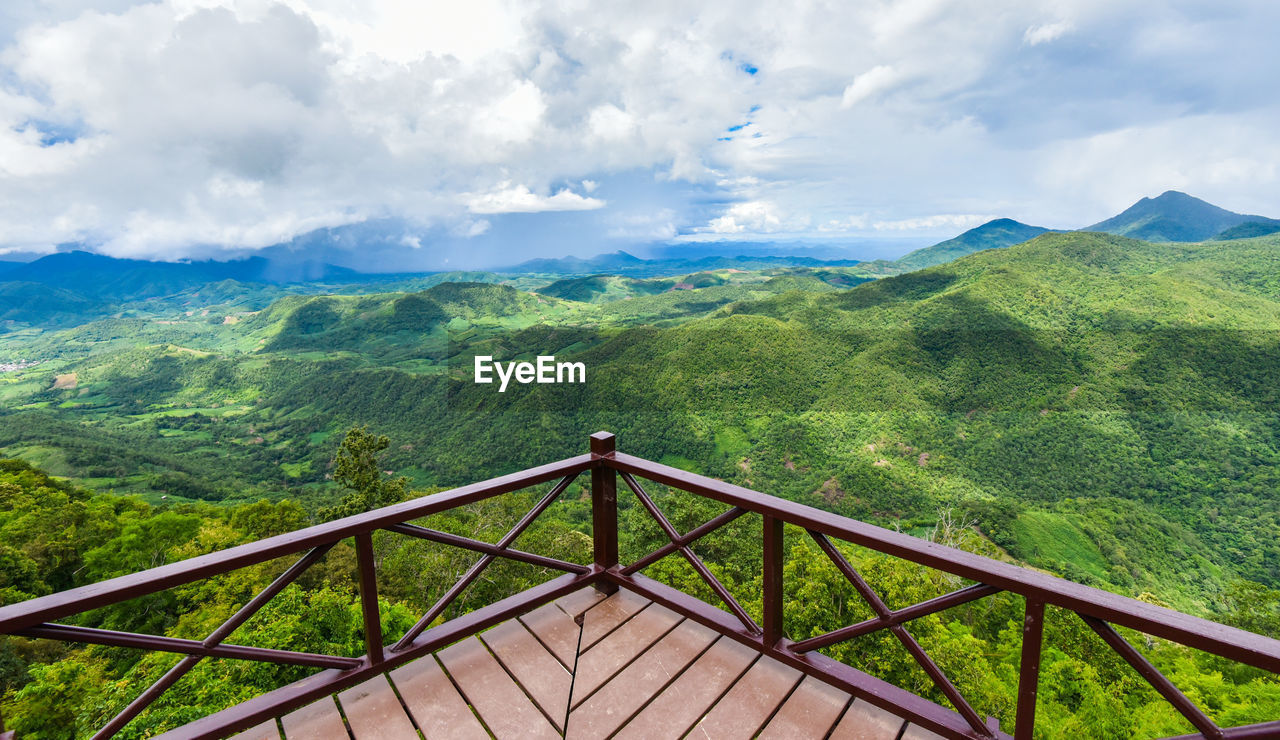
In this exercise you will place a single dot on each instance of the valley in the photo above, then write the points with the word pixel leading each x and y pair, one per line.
pixel 1013 386
pixel 1092 405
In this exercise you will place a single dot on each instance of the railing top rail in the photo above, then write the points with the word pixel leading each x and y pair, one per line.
pixel 25 614
pixel 1245 647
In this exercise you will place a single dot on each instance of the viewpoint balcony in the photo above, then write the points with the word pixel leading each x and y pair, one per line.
pixel 604 651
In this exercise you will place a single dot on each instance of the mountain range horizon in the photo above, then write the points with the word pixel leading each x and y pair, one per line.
pixel 1172 216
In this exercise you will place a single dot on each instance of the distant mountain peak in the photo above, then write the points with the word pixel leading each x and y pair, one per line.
pixel 994 234
pixel 1173 216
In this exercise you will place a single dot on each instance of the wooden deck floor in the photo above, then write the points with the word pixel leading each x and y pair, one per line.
pixel 633 669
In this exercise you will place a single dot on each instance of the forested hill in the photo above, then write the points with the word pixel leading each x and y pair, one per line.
pixel 1103 407
pixel 1002 232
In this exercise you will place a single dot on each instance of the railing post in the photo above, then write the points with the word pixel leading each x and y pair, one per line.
pixel 369 597
pixel 1029 669
pixel 604 508
pixel 772 591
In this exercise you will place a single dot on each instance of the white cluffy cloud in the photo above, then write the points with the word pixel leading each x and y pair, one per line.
pixel 519 199
pixel 874 81
pixel 1046 32
pixel 164 127
pixel 757 217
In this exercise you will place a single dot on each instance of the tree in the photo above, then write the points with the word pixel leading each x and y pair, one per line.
pixel 356 468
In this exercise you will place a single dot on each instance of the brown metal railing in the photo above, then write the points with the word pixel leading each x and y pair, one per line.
pixel 37 618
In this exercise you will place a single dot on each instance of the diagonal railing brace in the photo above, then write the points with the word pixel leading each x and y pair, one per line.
pixel 454 591
pixel 689 555
pixel 224 631
pixel 1153 676
pixel 886 620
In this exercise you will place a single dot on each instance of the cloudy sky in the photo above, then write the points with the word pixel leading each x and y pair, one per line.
pixel 488 131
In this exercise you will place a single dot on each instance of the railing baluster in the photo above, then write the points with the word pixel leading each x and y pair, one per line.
pixel 774 626
pixel 369 597
pixel 604 509
pixel 1029 669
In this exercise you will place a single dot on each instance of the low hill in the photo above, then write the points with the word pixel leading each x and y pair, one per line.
pixel 1001 232
pixel 1249 229
pixel 603 288
pixel 1173 217
pixel 45 305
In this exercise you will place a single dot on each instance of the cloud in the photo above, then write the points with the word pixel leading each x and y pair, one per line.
pixel 1233 161
pixel 168 127
pixel 868 84
pixel 957 220
pixel 519 199
pixel 843 225
pixel 757 217
pixel 659 225
pixel 1046 32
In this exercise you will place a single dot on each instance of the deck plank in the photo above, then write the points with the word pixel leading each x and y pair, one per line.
pixel 315 721
pixel 606 616
pixel 864 721
pixel 747 706
pixel 375 713
pixel 680 705
pixel 543 678
pixel 915 732
pixel 597 665
pixel 501 704
pixel 264 731
pixel 810 711
pixel 556 630
pixel 433 702
pixel 579 601
pixel 626 693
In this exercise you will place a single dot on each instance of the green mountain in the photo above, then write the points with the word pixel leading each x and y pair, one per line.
pixel 624 264
pixel 576 265
pixel 44 305
pixel 1173 217
pixel 113 279
pixel 1002 232
pixel 1249 229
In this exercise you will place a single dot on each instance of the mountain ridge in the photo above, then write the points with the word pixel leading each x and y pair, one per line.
pixel 1173 216
pixel 994 234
